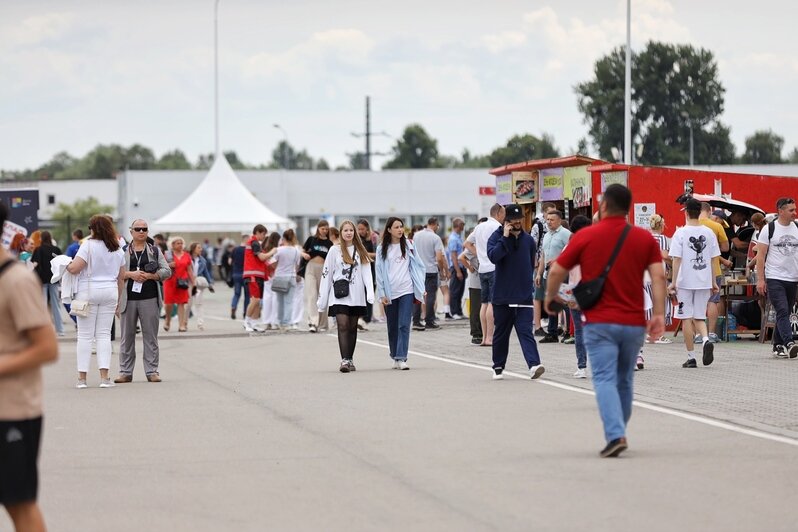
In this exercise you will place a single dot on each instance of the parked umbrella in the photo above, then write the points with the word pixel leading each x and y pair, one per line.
pixel 724 203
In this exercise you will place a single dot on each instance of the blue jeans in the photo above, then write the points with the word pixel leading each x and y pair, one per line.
pixel 782 297
pixel 613 352
pixel 285 302
pixel 50 291
pixel 238 285
pixel 398 316
pixel 579 339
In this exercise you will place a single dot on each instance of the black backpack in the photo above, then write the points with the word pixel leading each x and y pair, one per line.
pixel 772 229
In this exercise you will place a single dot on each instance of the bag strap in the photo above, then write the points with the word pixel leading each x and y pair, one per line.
pixel 351 268
pixel 616 250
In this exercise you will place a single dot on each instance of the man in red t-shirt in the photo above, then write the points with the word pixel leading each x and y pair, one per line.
pixel 615 327
pixel 254 274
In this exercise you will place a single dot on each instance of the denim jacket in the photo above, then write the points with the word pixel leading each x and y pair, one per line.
pixel 418 273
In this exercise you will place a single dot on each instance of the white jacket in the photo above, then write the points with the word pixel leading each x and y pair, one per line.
pixel 361 286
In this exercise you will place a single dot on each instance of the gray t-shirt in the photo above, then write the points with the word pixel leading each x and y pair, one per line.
pixel 427 244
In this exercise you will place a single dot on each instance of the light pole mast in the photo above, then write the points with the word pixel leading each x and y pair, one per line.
pixel 627 92
pixel 368 133
pixel 216 76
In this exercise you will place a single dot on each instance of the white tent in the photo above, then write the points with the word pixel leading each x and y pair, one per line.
pixel 220 204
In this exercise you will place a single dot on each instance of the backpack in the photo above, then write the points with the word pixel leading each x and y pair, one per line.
pixel 772 229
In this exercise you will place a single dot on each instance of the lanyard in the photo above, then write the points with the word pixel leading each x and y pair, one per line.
pixel 138 256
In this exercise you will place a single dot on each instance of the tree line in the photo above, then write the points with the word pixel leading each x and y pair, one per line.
pixel 676 89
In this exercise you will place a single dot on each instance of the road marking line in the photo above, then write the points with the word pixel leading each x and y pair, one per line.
pixel 640 404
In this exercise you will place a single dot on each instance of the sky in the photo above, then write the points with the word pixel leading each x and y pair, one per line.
pixel 473 73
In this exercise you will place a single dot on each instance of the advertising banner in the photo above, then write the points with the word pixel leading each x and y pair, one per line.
pixel 23 207
pixel 578 185
pixel 504 189
pixel 551 184
pixel 525 187
pixel 610 178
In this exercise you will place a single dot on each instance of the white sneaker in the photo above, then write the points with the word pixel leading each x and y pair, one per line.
pixel 294 327
pixel 395 364
pixel 361 325
pixel 580 374
pixel 498 374
pixel 403 365
pixel 248 327
pixel 258 327
pixel 536 371
pixel 81 384
pixel 107 383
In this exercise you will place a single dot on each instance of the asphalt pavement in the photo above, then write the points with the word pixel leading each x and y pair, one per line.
pixel 261 432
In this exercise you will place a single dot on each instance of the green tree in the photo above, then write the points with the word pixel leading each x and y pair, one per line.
pixel 67 217
pixel 173 160
pixel 792 158
pixel 357 161
pixel 473 161
pixel 520 148
pixel 673 87
pixel 416 149
pixel 286 156
pixel 763 147
pixel 138 157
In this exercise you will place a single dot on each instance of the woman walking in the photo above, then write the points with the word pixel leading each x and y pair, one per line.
pixel 268 315
pixel 316 247
pixel 284 283
pixel 346 288
pixel 574 277
pixel 400 281
pixel 101 265
pixel 658 225
pixel 203 281
pixel 178 287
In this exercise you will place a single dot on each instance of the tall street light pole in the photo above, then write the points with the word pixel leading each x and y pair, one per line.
pixel 216 76
pixel 690 127
pixel 285 145
pixel 627 103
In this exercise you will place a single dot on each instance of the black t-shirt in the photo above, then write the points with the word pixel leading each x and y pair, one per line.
pixel 316 247
pixel 149 289
pixel 42 257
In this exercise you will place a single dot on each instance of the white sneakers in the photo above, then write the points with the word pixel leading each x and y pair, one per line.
pixel 536 371
pixel 81 384
pixel 106 383
pixel 498 374
pixel 580 374
pixel 362 325
pixel 400 364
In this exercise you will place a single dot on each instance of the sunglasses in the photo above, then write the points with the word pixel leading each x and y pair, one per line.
pixel 783 202
pixel 139 229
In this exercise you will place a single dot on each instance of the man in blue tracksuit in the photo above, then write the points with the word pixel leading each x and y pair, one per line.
pixel 513 250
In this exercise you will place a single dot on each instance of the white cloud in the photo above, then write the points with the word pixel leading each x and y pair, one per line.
pixel 38 29
pixel 499 42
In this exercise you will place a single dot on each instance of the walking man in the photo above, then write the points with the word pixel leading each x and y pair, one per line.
pixel 615 326
pixel 429 247
pixel 487 269
pixel 713 308
pixel 27 342
pixel 145 269
pixel 512 251
pixel 457 274
pixel 777 273
pixel 553 243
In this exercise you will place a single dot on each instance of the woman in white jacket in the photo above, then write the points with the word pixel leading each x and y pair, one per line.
pixel 348 262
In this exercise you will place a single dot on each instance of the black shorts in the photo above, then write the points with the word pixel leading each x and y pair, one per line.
pixel 19 454
pixel 346 309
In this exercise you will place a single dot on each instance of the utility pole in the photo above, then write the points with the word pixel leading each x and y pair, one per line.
pixel 368 133
pixel 627 92
pixel 216 78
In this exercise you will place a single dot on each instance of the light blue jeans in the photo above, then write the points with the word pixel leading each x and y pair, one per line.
pixel 579 339
pixel 285 302
pixel 50 292
pixel 613 350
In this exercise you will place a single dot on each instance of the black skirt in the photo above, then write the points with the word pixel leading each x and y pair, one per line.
pixel 346 309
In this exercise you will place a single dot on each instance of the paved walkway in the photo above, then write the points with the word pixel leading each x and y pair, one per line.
pixel 263 433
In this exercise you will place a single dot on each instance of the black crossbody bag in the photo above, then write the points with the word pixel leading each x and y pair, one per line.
pixel 341 286
pixel 588 293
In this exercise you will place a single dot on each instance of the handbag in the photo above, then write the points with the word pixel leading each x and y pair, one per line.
pixel 182 283
pixel 588 293
pixel 80 307
pixel 281 285
pixel 341 286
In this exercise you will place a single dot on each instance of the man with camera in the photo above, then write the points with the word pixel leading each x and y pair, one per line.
pixel 512 250
pixel 141 301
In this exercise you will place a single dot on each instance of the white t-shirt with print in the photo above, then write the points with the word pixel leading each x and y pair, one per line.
pixel 696 245
pixel 102 265
pixel 782 259
pixel 399 271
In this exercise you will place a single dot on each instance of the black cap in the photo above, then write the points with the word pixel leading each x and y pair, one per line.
pixel 513 212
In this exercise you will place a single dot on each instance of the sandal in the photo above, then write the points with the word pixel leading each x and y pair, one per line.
pixel 166 327
pixel 663 340
pixel 182 329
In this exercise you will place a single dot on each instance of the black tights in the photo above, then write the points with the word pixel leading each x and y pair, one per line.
pixel 347 335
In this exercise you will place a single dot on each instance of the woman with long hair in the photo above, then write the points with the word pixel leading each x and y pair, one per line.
pixel 365 234
pixel 269 317
pixel 177 288
pixel 17 246
pixel 348 265
pixel 400 281
pixel 316 248
pixel 287 258
pixel 657 225
pixel 101 264
pixel 41 259
pixel 203 281
pixel 574 276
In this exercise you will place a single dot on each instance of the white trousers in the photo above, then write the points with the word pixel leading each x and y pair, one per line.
pixel 97 325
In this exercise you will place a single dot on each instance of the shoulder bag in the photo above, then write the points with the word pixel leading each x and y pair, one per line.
pixel 80 307
pixel 588 293
pixel 341 286
pixel 281 284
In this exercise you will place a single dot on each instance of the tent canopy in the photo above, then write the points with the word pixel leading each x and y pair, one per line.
pixel 220 204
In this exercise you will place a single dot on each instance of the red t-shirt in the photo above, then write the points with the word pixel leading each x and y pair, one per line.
pixel 621 301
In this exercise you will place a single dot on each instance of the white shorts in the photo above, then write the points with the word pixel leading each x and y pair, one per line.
pixel 692 303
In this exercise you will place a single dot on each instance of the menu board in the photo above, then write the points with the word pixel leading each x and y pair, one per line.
pixel 551 184
pixel 525 187
pixel 504 189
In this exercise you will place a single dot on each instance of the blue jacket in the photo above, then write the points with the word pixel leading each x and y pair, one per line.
pixel 418 273
pixel 514 258
pixel 203 270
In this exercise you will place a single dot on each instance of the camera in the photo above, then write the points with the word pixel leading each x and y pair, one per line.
pixel 150 267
